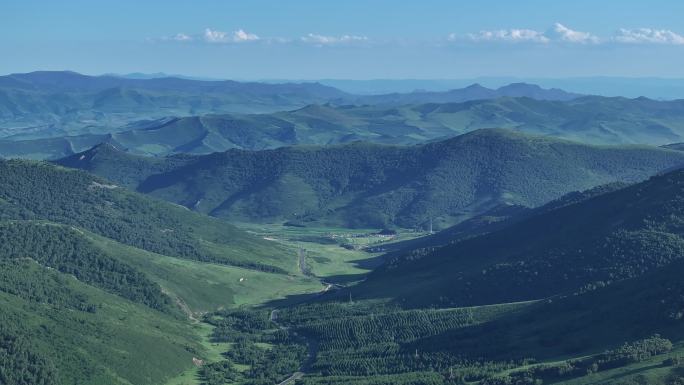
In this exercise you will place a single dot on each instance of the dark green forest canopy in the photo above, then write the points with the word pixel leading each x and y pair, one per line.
pixel 33 190
pixel 368 185
pixel 65 250
pixel 593 243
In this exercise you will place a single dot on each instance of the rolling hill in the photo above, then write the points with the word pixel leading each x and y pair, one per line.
pixel 590 119
pixel 48 104
pixel 572 248
pixel 369 185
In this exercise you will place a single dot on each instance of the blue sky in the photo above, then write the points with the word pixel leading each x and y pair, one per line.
pixel 296 39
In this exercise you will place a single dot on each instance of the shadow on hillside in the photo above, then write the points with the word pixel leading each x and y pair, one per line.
pixel 344 279
pixel 370 263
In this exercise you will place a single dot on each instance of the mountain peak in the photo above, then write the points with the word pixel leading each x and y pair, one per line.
pixel 476 86
pixel 520 86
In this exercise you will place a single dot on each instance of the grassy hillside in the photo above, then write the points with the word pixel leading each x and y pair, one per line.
pixel 576 247
pixel 366 185
pixel 95 290
pixel 591 119
pixel 71 314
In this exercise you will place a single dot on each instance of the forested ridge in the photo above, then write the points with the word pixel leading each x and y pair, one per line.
pixel 595 242
pixel 367 185
pixel 34 190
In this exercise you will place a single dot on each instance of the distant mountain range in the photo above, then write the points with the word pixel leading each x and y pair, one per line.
pixel 51 104
pixel 48 104
pixel 471 92
pixel 629 87
pixel 370 185
pixel 589 119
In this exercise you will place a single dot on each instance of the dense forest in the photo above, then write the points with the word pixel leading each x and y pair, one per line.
pixel 564 248
pixel 365 185
pixel 373 343
pixel 63 249
pixel 20 364
pixel 42 191
pixel 271 353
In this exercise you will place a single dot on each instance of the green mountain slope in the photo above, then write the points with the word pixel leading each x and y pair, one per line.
pixel 576 247
pixel 99 285
pixel 366 185
pixel 594 337
pixel 71 197
pixel 493 220
pixel 48 337
pixel 77 314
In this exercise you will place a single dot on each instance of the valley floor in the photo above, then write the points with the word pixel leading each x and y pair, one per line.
pixel 327 258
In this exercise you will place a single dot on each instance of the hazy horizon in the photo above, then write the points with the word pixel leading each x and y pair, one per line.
pixel 350 40
pixel 631 87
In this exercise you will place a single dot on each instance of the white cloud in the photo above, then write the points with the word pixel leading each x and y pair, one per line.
pixel 559 32
pixel 182 37
pixel 241 35
pixel 215 36
pixel 316 39
pixel 507 35
pixel 648 36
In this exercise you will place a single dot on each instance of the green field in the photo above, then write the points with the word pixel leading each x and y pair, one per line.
pixel 332 252
pixel 207 286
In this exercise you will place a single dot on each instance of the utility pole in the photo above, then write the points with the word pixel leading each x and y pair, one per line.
pixel 430 226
